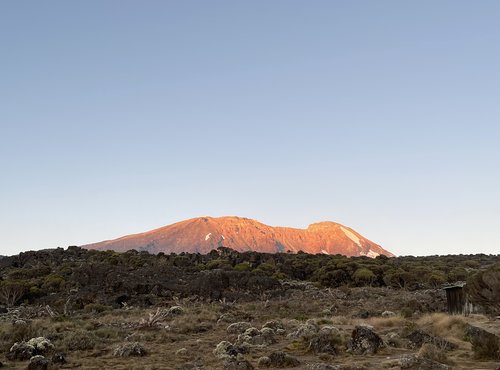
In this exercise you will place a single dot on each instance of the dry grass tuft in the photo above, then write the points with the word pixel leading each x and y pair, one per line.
pixel 444 325
pixel 385 322
pixel 431 352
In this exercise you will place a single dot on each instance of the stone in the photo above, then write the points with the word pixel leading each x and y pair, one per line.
pixel 388 314
pixel 364 341
pixel 485 345
pixel 38 362
pixel 21 351
pixel 419 337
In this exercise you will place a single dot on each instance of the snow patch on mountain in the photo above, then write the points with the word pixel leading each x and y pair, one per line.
pixel 208 236
pixel 351 236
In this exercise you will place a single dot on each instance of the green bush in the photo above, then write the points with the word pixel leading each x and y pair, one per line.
pixel 244 266
pixel 80 341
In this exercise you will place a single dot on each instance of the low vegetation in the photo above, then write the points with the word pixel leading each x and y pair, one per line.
pixel 230 310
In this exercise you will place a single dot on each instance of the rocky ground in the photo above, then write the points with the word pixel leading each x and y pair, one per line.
pixel 309 328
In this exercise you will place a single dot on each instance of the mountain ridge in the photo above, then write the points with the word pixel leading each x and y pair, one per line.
pixel 203 234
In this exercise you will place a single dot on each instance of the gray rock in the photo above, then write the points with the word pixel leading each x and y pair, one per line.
pixel 419 337
pixel 21 351
pixel 388 314
pixel 38 362
pixel 484 344
pixel 364 341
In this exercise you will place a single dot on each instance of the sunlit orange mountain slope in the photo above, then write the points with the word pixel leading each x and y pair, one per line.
pixel 203 234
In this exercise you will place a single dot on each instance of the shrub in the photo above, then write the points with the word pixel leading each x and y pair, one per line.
pixel 53 282
pixel 431 352
pixel 244 266
pixel 80 340
pixel 11 292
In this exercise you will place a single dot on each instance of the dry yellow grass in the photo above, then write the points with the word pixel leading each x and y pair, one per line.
pixel 444 325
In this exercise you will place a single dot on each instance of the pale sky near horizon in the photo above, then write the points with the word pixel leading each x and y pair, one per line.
pixel 118 117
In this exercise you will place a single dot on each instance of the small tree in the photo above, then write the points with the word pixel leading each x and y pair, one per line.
pixel 11 292
pixel 363 276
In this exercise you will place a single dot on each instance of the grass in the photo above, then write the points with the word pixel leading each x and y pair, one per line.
pixel 89 338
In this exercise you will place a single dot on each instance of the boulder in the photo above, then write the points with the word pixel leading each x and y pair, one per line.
pixel 419 337
pixel 38 362
pixel 21 351
pixel 364 341
pixel 485 345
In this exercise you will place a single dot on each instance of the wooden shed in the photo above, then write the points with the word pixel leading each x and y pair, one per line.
pixel 458 304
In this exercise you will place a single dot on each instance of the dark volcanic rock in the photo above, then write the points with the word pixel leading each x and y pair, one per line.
pixel 21 351
pixel 484 344
pixel 419 337
pixel 38 363
pixel 365 341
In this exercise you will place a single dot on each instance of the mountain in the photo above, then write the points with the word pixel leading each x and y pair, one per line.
pixel 203 234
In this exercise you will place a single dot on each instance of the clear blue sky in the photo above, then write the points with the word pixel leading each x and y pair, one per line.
pixel 122 116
